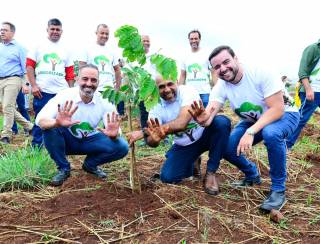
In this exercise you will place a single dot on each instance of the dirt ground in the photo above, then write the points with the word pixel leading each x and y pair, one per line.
pixel 89 210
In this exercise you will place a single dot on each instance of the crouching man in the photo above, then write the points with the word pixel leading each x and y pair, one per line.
pixel 171 116
pixel 71 130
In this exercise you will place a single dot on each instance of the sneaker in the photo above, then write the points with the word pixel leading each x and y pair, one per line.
pixel 5 140
pixel 59 178
pixel 97 171
pixel 247 182
pixel 275 200
pixel 211 184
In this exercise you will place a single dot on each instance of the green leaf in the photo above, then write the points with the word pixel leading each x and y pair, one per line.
pixel 167 67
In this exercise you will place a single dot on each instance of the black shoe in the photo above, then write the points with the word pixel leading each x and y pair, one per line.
pixel 247 182
pixel 275 200
pixel 59 178
pixel 97 172
pixel 5 140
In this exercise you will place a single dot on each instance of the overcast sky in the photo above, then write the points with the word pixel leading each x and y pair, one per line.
pixel 270 34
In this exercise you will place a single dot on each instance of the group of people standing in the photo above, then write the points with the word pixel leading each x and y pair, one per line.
pixel 68 113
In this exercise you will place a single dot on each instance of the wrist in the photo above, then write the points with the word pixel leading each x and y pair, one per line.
pixel 250 131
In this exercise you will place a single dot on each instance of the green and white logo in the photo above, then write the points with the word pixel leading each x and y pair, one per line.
pixel 81 130
pixel 101 60
pixel 188 131
pixel 249 111
pixel 52 58
pixel 194 68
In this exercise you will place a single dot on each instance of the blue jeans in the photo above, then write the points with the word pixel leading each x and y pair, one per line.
pixel 120 108
pixel 205 99
pixel 180 159
pixel 306 110
pixel 22 109
pixel 274 136
pixel 143 115
pixel 38 104
pixel 99 148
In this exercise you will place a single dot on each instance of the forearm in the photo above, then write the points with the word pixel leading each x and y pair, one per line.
pixel 46 124
pixel 31 76
pixel 268 117
pixel 182 78
pixel 70 83
pixel 305 82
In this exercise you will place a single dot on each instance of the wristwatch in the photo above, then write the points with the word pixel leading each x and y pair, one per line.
pixel 250 131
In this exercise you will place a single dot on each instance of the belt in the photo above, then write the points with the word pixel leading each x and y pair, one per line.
pixel 6 77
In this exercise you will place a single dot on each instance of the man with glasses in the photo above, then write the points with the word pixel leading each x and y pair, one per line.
pixel 12 70
pixel 171 116
pixel 50 70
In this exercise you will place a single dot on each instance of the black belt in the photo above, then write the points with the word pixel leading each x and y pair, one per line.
pixel 6 77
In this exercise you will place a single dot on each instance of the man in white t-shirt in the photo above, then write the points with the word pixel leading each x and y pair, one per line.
pixel 171 116
pixel 258 100
pixel 101 56
pixel 49 70
pixel 69 130
pixel 195 68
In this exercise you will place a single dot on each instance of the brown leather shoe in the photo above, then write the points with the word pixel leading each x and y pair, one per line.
pixel 211 184
pixel 197 168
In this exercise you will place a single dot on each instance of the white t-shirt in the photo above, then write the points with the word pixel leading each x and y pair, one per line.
pixel 196 65
pixel 166 112
pixel 51 60
pixel 247 97
pixel 89 114
pixel 105 60
pixel 315 78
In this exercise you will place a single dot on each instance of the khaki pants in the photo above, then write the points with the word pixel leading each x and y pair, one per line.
pixel 9 89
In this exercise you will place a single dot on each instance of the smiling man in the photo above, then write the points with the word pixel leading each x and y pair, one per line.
pixel 259 101
pixel 72 130
pixel 171 116
pixel 49 70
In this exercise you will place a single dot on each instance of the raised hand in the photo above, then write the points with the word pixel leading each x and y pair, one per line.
pixel 198 112
pixel 156 131
pixel 64 115
pixel 113 125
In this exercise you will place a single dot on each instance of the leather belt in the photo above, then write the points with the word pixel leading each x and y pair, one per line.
pixel 6 77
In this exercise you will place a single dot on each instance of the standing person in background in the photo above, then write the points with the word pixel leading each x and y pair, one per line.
pixel 50 70
pixel 195 68
pixel 309 76
pixel 12 71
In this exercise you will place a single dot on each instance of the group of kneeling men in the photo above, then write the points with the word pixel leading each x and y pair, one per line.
pixel 69 122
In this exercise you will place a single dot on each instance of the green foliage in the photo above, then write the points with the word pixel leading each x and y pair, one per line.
pixel 167 67
pixel 130 41
pixel 25 168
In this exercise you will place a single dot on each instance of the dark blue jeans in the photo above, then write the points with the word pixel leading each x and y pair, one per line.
pixel 120 108
pixel 180 159
pixel 143 115
pixel 99 148
pixel 274 136
pixel 306 110
pixel 205 99
pixel 38 104
pixel 22 109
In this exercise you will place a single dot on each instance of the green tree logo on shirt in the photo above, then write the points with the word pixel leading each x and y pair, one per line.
pixel 52 58
pixel 249 111
pixel 81 130
pixel 102 60
pixel 194 68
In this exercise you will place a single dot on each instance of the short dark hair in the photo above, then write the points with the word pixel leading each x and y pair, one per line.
pixel 54 22
pixel 12 27
pixel 219 49
pixel 194 31
pixel 103 25
pixel 81 67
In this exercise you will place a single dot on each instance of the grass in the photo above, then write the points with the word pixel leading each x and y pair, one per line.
pixel 25 168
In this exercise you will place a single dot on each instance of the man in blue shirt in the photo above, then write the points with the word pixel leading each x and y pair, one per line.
pixel 12 70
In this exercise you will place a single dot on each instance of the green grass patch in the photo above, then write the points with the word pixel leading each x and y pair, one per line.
pixel 25 168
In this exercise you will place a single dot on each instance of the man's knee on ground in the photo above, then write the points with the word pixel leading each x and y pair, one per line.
pixel 168 177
